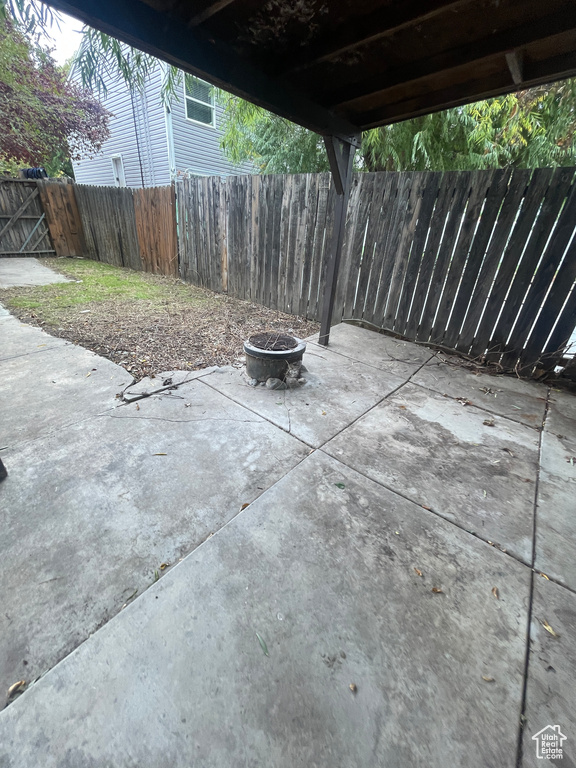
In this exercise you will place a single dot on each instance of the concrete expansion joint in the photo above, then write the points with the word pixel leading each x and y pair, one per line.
pixel 519 751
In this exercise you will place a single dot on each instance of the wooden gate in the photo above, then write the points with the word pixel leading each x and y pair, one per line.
pixel 23 226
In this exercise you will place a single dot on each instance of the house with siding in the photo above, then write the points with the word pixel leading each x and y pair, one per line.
pixel 152 144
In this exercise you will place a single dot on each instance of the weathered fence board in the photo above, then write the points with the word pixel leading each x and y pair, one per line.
pixel 154 209
pixel 109 224
pixel 62 216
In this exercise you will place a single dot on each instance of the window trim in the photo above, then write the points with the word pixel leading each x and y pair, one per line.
pixel 212 105
pixel 120 178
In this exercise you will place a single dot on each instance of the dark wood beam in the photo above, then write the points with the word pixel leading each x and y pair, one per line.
pixel 498 44
pixel 361 30
pixel 208 12
pixel 557 68
pixel 193 51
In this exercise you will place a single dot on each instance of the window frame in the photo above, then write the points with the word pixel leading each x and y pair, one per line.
pixel 212 104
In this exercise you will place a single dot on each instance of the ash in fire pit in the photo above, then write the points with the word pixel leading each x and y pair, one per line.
pixel 276 342
pixel 274 359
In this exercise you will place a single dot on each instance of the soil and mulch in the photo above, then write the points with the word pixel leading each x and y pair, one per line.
pixel 146 323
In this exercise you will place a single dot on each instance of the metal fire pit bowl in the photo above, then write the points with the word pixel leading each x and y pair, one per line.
pixel 268 355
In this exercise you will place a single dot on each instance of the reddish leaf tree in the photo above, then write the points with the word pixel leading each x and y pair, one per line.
pixel 43 114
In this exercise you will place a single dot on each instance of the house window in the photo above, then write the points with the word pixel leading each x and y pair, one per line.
pixel 199 98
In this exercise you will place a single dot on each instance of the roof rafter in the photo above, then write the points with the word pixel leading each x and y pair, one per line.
pixel 371 27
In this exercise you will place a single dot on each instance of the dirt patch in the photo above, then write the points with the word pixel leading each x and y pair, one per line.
pixel 178 327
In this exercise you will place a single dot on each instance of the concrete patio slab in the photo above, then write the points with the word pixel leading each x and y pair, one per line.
pixel 92 512
pixel 550 692
pixel 376 349
pixel 40 393
pixel 18 339
pixel 555 549
pixel 561 418
pixel 162 383
pixel 337 391
pixel 558 456
pixel 27 272
pixel 523 401
pixel 244 654
pixel 442 455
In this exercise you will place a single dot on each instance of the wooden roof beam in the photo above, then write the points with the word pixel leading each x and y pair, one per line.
pixel 369 28
pixel 208 12
pixel 539 73
pixel 499 44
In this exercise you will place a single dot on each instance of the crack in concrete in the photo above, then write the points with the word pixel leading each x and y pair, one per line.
pixel 183 421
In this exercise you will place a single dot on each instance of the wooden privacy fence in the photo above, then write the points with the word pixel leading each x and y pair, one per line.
pixel 483 262
pixel 23 227
pixel 130 228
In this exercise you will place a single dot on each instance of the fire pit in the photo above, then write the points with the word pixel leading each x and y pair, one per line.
pixel 275 359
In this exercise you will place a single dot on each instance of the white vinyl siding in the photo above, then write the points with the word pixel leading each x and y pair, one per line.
pixel 145 154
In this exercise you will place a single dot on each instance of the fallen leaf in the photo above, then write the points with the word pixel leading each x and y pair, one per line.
pixel 163 565
pixel 137 407
pixel 418 572
pixel 16 687
pixel 340 485
pixel 160 454
pixel 488 422
pixel 544 576
pixel 463 401
pixel 323 413
pixel 403 407
pixel 548 628
pixel 496 593
pixel 488 679
pixel 262 645
pixel 244 506
pixel 508 451
pixel 353 687
pixel 425 507
pixel 437 590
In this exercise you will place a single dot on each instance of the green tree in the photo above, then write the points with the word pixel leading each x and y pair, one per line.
pixel 528 129
pixel 45 119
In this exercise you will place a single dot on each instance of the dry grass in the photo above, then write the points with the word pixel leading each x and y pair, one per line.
pixel 146 323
